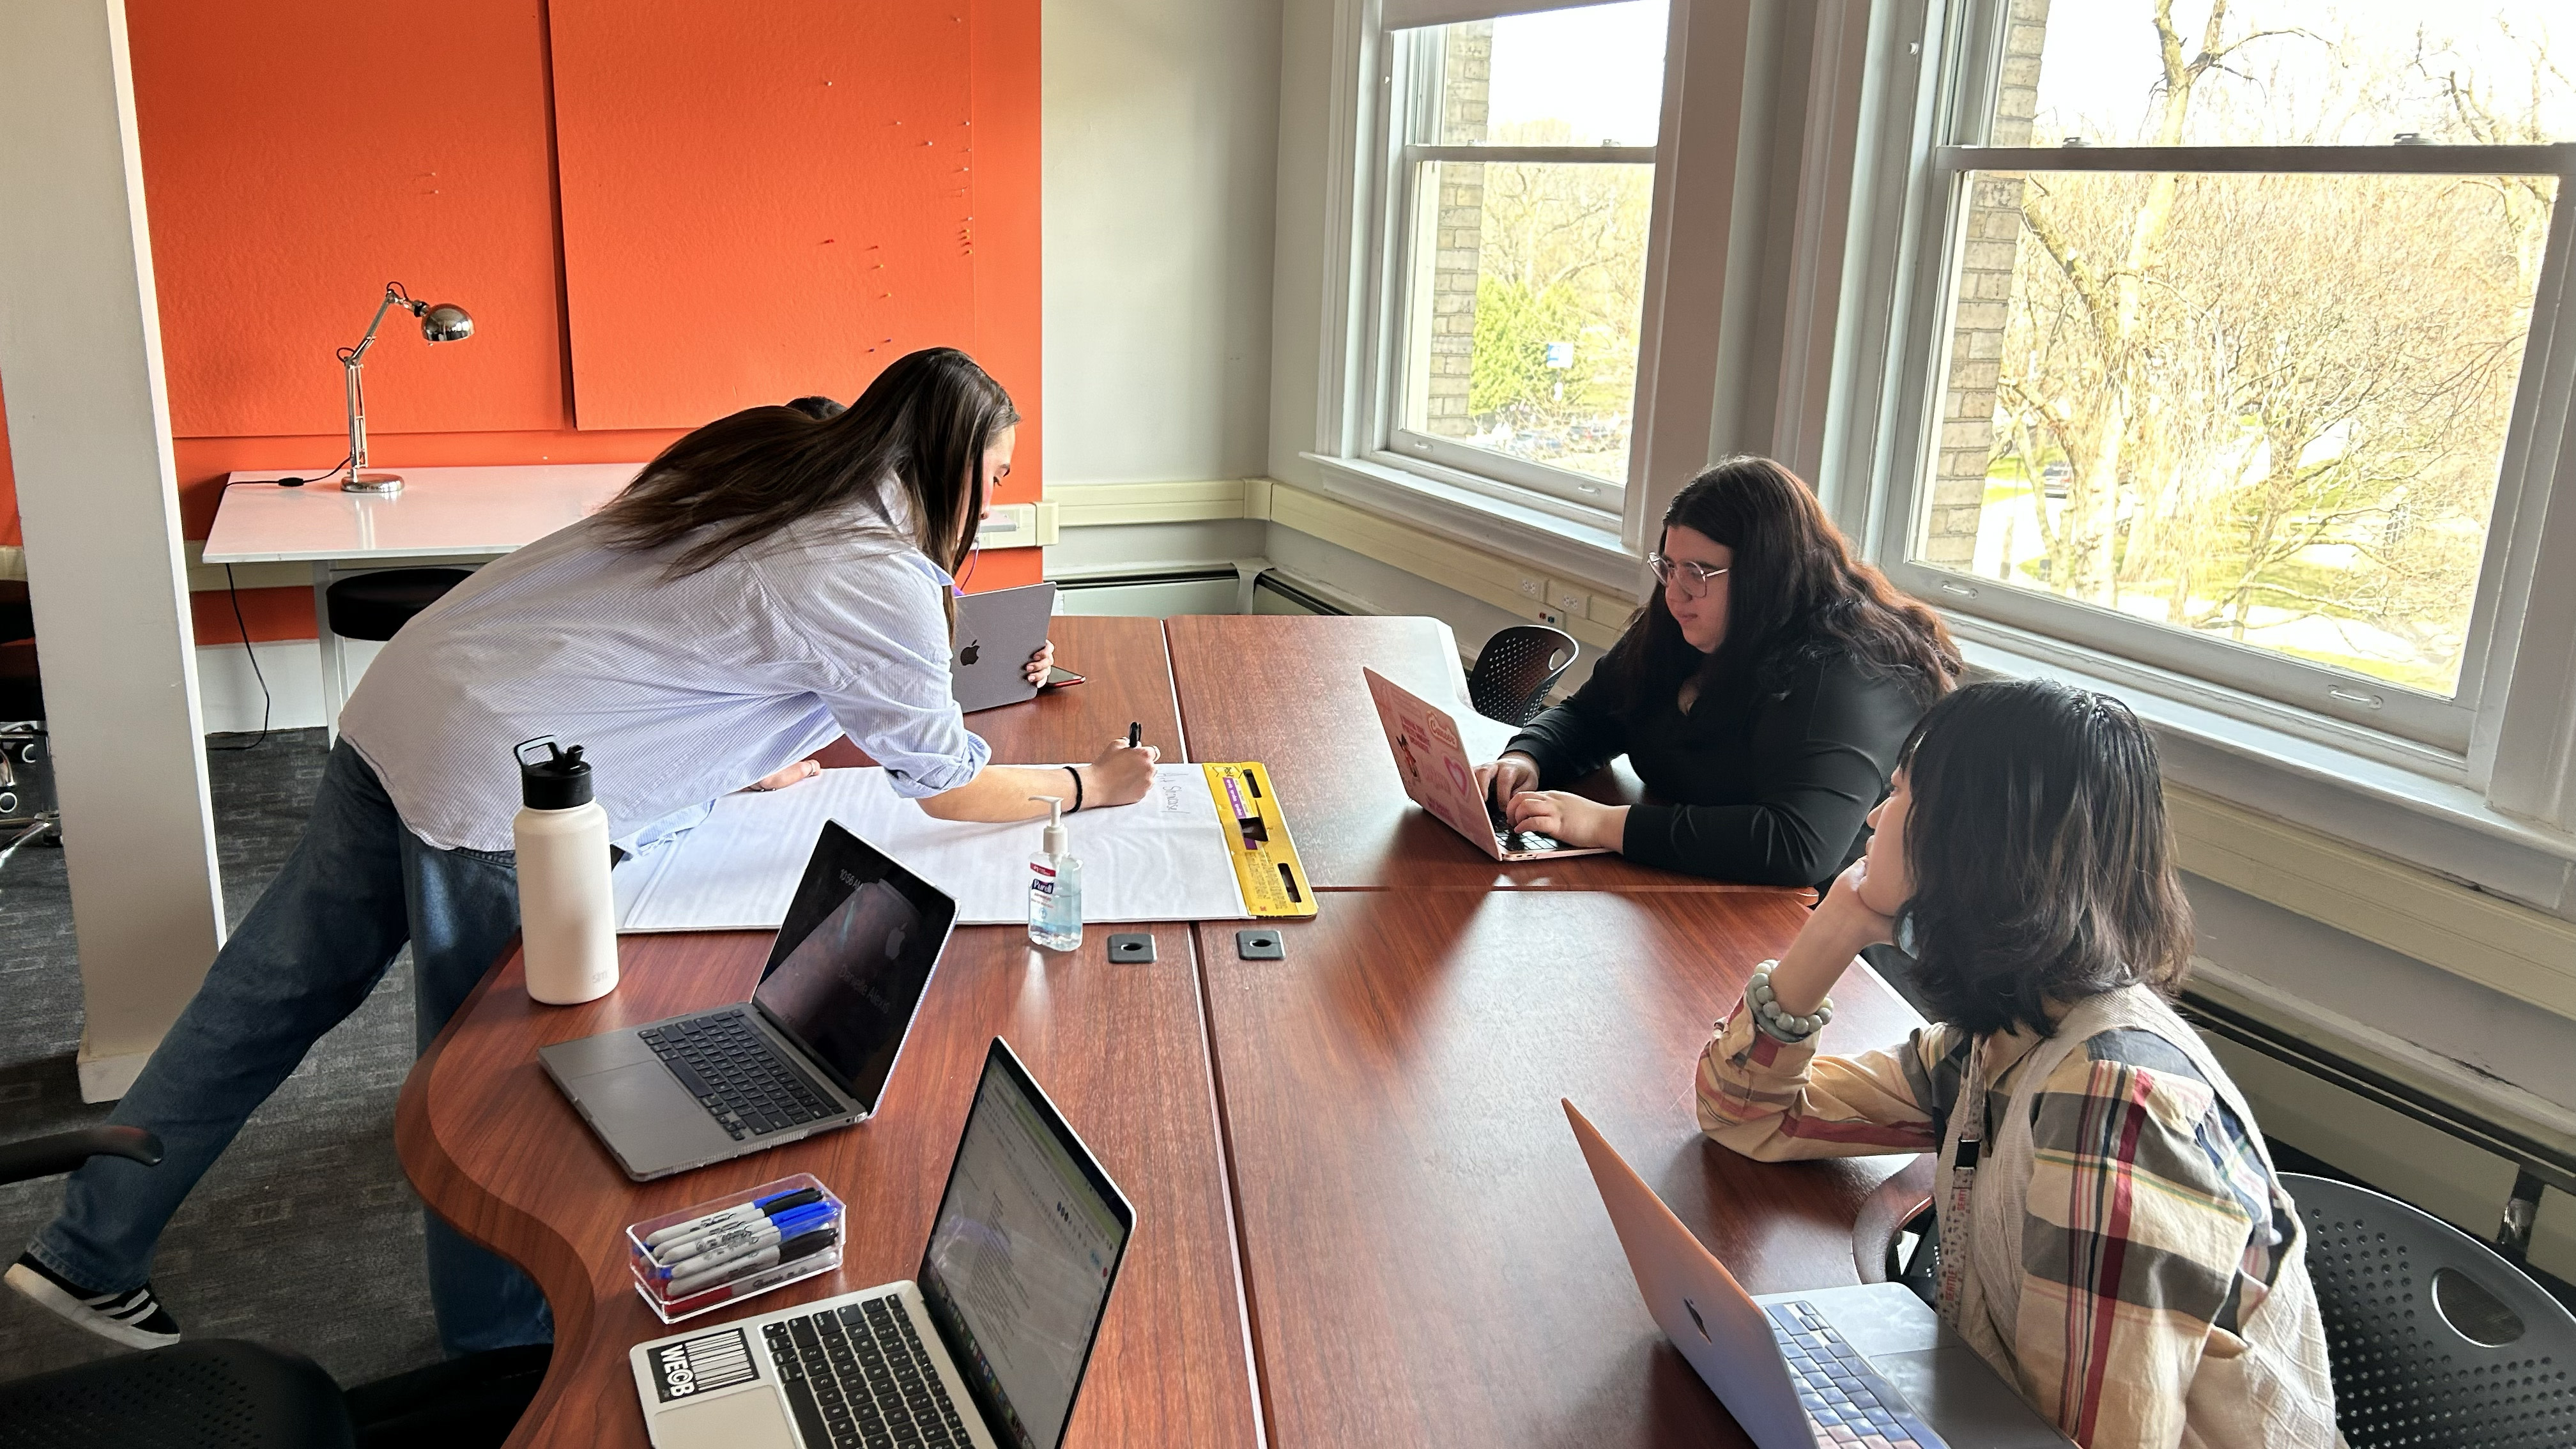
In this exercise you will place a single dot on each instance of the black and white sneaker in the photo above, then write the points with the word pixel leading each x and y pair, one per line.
pixel 133 1318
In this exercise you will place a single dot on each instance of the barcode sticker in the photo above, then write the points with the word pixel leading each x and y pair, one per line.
pixel 702 1364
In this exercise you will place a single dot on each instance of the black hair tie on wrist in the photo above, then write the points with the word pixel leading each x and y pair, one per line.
pixel 1077 788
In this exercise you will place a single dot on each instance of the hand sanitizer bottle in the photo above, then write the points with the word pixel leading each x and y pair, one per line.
pixel 1055 886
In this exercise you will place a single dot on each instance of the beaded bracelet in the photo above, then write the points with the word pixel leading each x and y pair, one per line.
pixel 1780 1025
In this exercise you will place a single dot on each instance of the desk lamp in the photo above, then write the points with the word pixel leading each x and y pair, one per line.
pixel 443 322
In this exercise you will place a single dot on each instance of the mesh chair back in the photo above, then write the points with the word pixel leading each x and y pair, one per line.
pixel 211 1393
pixel 1518 667
pixel 2435 1340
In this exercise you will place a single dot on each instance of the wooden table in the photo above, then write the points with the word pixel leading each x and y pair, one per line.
pixel 1127 679
pixel 494 1149
pixel 1427 1258
pixel 1286 690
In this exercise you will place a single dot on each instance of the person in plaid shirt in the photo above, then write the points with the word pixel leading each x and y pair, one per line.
pixel 2114 1239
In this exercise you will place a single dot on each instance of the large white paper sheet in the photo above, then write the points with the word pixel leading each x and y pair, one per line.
pixel 1161 859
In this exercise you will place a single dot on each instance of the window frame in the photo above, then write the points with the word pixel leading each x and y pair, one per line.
pixel 2438 737
pixel 1410 76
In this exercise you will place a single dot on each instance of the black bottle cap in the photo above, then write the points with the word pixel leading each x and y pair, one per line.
pixel 560 781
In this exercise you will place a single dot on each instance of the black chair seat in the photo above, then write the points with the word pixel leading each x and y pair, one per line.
pixel 17 616
pixel 374 606
pixel 22 688
pixel 216 1392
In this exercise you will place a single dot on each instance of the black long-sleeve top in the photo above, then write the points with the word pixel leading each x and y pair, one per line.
pixel 1769 788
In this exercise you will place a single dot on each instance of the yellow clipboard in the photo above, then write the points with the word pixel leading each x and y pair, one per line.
pixel 1257 841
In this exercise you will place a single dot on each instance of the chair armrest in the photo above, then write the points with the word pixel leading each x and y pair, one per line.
pixel 1886 1211
pixel 64 1151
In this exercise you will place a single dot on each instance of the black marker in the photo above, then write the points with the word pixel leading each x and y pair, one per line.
pixel 1135 733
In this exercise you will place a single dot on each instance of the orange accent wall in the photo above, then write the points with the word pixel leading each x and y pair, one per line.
pixel 298 154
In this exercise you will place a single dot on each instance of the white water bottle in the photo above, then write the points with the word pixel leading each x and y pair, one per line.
pixel 567 918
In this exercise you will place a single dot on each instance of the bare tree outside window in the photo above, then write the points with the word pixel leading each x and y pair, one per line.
pixel 2268 408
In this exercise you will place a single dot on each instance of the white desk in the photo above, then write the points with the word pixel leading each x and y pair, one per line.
pixel 458 514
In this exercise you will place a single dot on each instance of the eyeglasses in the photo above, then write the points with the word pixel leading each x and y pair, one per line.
pixel 1691 578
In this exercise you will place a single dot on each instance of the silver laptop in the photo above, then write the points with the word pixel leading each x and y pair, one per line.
pixel 809 1052
pixel 986 1347
pixel 1860 1365
pixel 996 634
pixel 1437 775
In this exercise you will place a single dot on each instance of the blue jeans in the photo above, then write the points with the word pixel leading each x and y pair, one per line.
pixel 357 888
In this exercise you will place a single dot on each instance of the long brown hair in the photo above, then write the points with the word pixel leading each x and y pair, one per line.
pixel 2043 864
pixel 921 429
pixel 1794 590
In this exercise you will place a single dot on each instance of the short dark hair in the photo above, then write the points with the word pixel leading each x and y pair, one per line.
pixel 2042 861
pixel 1794 589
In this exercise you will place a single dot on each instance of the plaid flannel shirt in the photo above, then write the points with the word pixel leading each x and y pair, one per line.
pixel 2151 1228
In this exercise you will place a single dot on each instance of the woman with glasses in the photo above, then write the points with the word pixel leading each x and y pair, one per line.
pixel 1761 695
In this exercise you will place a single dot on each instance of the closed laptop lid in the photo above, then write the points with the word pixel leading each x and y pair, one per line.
pixel 997 631
pixel 1701 1308
pixel 852 960
pixel 1026 1246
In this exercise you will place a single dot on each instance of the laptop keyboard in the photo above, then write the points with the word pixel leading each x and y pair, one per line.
pixel 858 1379
pixel 1846 1400
pixel 736 1074
pixel 1516 841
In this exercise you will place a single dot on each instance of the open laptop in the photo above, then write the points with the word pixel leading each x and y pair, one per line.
pixel 810 1051
pixel 997 631
pixel 1433 762
pixel 1834 1366
pixel 986 1347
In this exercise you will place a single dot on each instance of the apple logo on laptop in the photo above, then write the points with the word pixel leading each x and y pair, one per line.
pixel 1696 1321
pixel 894 943
pixel 966 656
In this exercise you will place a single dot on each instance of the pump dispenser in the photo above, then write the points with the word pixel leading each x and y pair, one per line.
pixel 567 918
pixel 1055 885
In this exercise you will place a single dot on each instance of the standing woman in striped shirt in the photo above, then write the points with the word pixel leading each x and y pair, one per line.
pixel 773 581
pixel 2113 1238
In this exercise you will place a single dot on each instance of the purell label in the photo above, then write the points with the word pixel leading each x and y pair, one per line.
pixel 702 1364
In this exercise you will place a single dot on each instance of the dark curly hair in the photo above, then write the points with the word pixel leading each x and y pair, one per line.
pixel 2043 865
pixel 1794 591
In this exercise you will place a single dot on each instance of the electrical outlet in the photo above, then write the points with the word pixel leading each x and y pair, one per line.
pixel 1572 603
pixel 1533 587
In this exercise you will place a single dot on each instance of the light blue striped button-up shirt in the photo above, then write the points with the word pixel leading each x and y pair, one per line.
pixel 678 690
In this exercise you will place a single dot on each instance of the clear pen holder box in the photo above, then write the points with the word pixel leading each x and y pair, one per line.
pixel 653 1277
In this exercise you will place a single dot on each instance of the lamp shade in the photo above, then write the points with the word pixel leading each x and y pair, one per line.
pixel 446 322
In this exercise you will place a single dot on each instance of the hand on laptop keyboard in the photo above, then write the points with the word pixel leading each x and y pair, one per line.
pixel 1516 840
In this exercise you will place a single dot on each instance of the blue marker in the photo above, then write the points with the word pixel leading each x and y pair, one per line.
pixel 750 1212
pixel 750 1238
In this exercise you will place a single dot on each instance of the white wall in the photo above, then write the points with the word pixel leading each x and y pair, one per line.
pixel 1161 137
pixel 89 431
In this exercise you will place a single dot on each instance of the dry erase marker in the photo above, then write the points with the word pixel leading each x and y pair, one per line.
pixel 804 1245
pixel 745 1213
pixel 750 1238
pixel 1135 733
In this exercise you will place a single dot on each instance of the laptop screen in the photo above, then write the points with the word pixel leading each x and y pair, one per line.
pixel 852 960
pixel 1027 1242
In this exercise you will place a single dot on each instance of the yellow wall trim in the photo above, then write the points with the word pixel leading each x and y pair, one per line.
pixel 1093 505
pixel 2514 949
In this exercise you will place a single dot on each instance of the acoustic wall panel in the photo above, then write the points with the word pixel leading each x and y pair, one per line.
pixel 299 154
pixel 759 202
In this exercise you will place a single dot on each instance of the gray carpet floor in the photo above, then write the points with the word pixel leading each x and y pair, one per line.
pixel 305 1235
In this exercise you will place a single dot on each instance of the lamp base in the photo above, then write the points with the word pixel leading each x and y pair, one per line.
pixel 377 483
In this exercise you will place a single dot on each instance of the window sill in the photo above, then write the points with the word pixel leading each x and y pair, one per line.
pixel 2440 826
pixel 1588 548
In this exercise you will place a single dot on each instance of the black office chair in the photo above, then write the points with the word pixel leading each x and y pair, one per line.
pixel 1517 668
pixel 228 1394
pixel 27 812
pixel 377 605
pixel 2436 1340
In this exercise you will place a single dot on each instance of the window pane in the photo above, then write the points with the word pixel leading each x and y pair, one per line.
pixel 1587 77
pixel 1528 283
pixel 2266 409
pixel 2286 72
